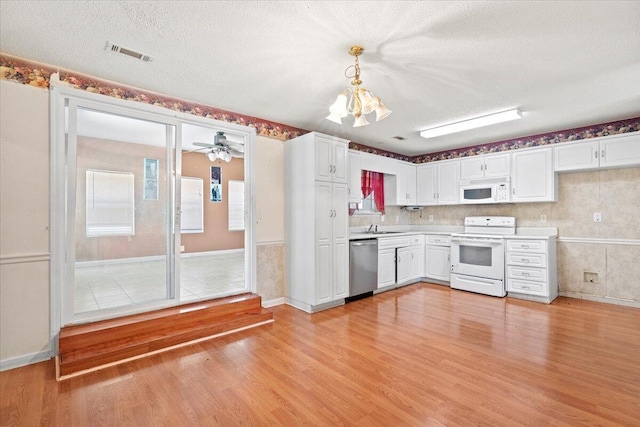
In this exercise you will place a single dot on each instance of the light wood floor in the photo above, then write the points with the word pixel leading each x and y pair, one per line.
pixel 419 355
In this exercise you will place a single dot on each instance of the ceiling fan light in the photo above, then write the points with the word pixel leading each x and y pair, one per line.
pixel 227 156
pixel 360 121
pixel 212 156
pixel 382 112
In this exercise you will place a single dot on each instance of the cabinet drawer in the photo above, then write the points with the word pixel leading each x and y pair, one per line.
pixel 537 274
pixel 525 259
pixel 526 245
pixel 417 240
pixel 525 287
pixel 438 240
pixel 393 242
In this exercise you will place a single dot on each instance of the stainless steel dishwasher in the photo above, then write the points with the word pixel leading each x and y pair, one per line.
pixel 363 266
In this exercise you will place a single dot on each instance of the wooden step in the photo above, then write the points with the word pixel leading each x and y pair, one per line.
pixel 94 345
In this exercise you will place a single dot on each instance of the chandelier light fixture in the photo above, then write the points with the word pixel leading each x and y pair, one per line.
pixel 357 100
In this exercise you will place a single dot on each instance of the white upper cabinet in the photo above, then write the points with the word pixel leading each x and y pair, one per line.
pixel 427 177
pixel 448 183
pixel 375 163
pixel 331 158
pixel 486 166
pixel 355 173
pixel 437 183
pixel 533 177
pixel 606 152
pixel 400 188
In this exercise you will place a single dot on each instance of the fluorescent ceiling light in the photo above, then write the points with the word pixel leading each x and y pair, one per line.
pixel 477 122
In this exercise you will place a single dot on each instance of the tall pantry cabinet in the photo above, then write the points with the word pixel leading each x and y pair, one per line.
pixel 316 221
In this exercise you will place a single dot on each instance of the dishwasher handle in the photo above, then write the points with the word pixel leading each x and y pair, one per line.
pixel 367 243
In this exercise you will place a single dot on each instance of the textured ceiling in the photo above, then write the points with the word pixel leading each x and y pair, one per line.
pixel 565 64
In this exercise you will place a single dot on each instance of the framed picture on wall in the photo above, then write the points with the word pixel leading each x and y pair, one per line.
pixel 215 193
pixel 150 179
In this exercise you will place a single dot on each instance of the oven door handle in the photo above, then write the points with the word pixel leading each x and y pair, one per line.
pixel 475 242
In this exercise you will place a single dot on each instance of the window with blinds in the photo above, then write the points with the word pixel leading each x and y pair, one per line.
pixel 191 205
pixel 110 204
pixel 236 205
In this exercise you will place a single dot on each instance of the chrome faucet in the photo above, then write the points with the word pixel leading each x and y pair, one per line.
pixel 372 228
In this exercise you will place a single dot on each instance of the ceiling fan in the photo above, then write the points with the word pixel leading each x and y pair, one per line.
pixel 221 148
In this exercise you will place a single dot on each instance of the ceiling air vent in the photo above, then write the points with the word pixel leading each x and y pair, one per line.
pixel 128 52
pixel 399 138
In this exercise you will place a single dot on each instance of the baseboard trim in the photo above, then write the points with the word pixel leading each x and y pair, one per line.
pixel 273 302
pixel 596 298
pixel 24 360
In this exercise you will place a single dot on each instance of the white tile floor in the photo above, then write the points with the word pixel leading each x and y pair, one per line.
pixel 118 285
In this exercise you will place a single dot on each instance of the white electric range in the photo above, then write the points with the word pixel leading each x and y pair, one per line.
pixel 477 255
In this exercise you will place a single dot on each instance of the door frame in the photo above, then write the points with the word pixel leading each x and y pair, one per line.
pixel 58 183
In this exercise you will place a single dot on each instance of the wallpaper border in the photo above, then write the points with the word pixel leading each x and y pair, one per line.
pixel 37 74
pixel 549 138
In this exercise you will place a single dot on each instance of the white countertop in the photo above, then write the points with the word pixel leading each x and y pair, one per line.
pixel 359 233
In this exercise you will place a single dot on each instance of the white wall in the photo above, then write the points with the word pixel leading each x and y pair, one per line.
pixel 24 224
pixel 269 173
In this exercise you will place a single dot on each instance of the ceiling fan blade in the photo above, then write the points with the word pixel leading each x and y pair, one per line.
pixel 203 144
pixel 198 150
pixel 235 146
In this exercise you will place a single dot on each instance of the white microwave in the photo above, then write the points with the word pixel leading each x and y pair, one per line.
pixel 486 190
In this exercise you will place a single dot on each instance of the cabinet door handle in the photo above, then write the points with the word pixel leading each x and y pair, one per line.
pixel 525 246
pixel 525 260
pixel 602 154
pixel 525 287
pixel 524 273
pixel 596 153
pixel 513 191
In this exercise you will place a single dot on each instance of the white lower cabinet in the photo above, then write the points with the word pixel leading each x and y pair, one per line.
pixel 531 268
pixel 417 256
pixel 386 267
pixel 438 257
pixel 403 265
pixel 394 261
